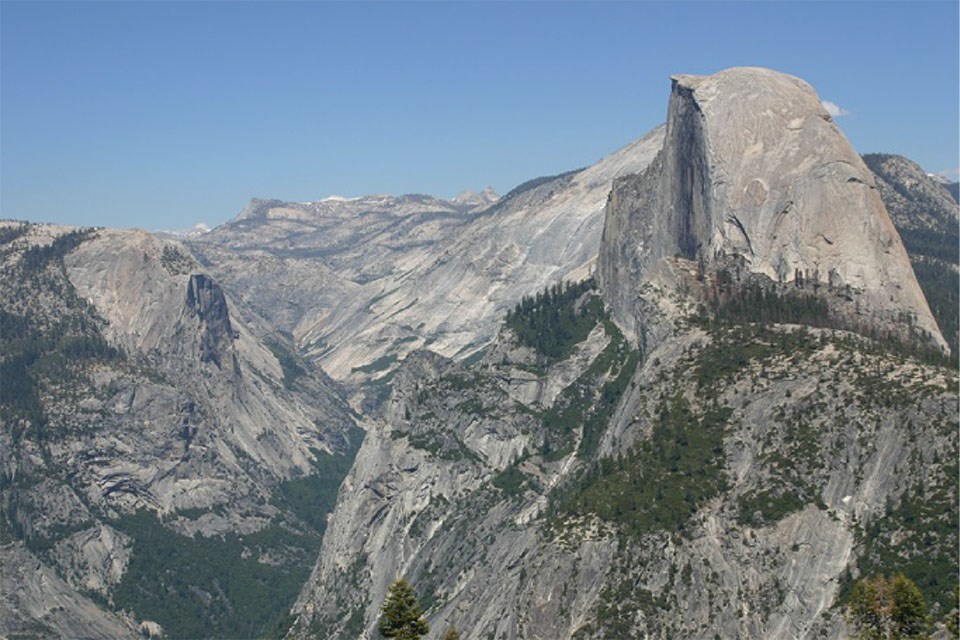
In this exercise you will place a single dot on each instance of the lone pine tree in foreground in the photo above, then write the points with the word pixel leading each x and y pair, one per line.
pixel 402 616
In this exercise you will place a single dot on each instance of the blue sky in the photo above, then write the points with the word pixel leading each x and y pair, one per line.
pixel 163 114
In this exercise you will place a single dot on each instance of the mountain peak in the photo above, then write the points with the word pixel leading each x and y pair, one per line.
pixel 753 169
pixel 471 198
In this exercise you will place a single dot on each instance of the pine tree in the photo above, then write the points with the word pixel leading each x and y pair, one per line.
pixel 909 614
pixel 953 618
pixel 884 608
pixel 402 616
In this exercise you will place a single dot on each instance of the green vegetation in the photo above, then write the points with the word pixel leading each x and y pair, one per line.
pixel 474 358
pixel 551 321
pixel 514 482
pixel 753 303
pixel 888 608
pixel 918 537
pixel 234 585
pixel 377 391
pixel 42 349
pixel 762 305
pixel 292 365
pixel 922 242
pixel 940 284
pixel 380 364
pixel 769 506
pixel 36 258
pixel 443 444
pixel 733 348
pixel 934 252
pixel 583 406
pixel 175 261
pixel 11 233
pixel 314 496
pixel 402 615
pixel 622 602
pixel 197 587
pixel 663 480
pixel 953 616
pixel 451 634
pixel 42 544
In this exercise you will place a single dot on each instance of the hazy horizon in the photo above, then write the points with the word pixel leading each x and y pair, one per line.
pixel 164 115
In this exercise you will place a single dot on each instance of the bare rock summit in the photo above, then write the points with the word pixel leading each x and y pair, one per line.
pixel 754 173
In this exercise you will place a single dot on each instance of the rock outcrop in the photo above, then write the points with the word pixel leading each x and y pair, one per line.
pixel 145 408
pixel 160 306
pixel 167 444
pixel 37 602
pixel 361 283
pixel 915 201
pixel 753 168
pixel 478 200
pixel 206 301
pixel 734 479
pixel 928 219
pixel 453 490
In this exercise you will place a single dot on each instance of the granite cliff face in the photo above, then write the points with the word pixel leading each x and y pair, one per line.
pixel 361 283
pixel 135 392
pixel 731 476
pixel 928 219
pixel 753 169
pixel 731 484
pixel 608 461
pixel 159 307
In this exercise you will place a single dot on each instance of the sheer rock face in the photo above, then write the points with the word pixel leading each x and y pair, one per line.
pixel 37 602
pixel 206 301
pixel 362 283
pixel 227 384
pixel 200 408
pixel 426 499
pixel 753 166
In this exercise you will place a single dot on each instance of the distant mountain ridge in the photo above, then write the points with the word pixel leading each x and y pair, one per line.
pixel 928 219
pixel 483 199
pixel 688 441
pixel 402 273
pixel 367 251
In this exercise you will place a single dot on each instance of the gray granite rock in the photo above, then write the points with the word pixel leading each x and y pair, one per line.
pixel 754 168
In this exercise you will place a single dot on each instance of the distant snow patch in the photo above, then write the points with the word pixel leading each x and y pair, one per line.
pixel 197 230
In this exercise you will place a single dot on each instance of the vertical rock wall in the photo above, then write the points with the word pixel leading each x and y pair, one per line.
pixel 754 168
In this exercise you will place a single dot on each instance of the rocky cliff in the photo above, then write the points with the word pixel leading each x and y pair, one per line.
pixel 927 217
pixel 143 415
pixel 732 476
pixel 915 201
pixel 754 169
pixel 687 450
pixel 361 283
pixel 733 484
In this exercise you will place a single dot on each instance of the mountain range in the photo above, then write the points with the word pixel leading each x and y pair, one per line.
pixel 696 389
